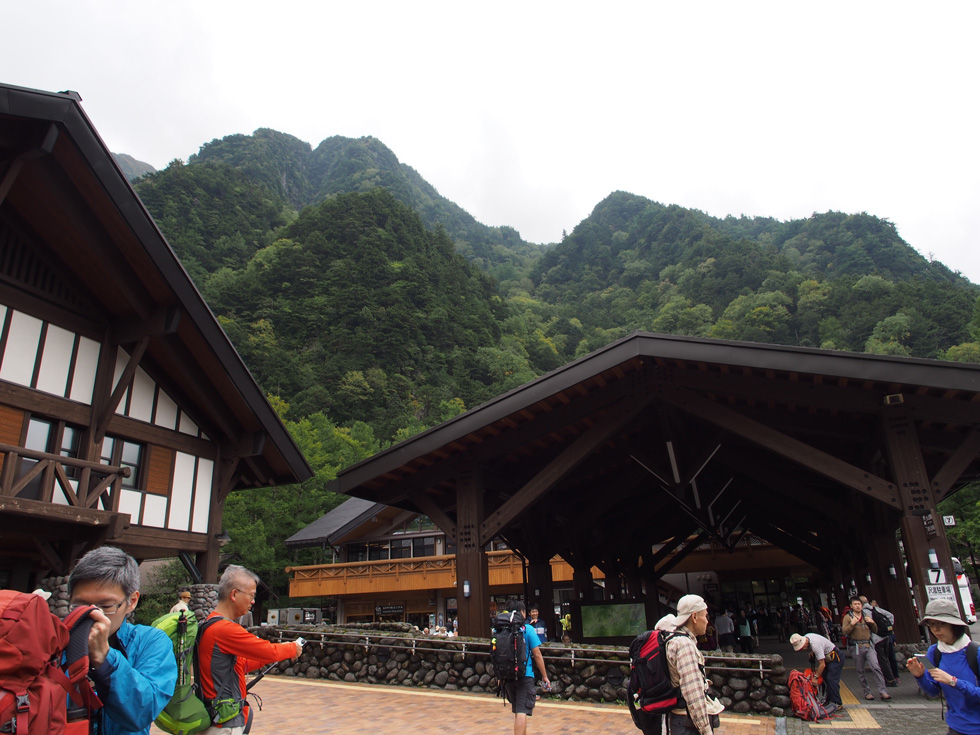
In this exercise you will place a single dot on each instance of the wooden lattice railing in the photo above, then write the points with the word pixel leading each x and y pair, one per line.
pixel 94 481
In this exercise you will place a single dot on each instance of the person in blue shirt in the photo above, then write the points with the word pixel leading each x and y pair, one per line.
pixel 954 678
pixel 133 666
pixel 522 693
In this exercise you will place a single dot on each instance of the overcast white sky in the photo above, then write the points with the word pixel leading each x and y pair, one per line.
pixel 529 113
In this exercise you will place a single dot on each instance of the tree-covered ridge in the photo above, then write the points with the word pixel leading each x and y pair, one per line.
pixel 833 280
pixel 359 311
pixel 300 176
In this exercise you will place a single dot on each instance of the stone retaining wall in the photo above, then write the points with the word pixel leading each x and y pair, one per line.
pixel 396 654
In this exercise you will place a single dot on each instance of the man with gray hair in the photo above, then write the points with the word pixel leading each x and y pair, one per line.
pixel 133 666
pixel 697 712
pixel 227 652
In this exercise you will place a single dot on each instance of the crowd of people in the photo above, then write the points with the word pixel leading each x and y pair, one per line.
pixel 134 671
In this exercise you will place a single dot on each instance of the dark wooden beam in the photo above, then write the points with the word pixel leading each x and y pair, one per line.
pixel 944 480
pixel 615 419
pixel 122 385
pixel 810 457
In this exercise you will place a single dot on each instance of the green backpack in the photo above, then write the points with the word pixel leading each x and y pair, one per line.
pixel 185 714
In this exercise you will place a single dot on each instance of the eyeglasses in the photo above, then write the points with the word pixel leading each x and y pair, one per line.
pixel 250 594
pixel 107 609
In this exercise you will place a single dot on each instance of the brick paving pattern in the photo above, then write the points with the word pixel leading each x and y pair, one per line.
pixel 292 705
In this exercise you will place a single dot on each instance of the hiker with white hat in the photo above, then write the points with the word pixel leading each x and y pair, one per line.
pixel 955 675
pixel 827 662
pixel 697 712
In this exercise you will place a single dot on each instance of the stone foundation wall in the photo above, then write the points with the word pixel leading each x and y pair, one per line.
pixel 397 655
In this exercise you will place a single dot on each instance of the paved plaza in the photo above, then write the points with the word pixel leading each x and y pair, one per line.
pixel 292 705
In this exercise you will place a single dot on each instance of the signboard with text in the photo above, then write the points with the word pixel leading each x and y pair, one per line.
pixel 940 592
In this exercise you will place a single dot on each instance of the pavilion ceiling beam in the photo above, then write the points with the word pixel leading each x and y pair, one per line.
pixel 446 524
pixel 615 419
pixel 826 396
pixel 683 552
pixel 814 459
pixel 789 543
pixel 943 481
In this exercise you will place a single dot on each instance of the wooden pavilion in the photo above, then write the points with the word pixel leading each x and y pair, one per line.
pixel 628 458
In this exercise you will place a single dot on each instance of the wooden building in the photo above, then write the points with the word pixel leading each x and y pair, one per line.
pixel 631 457
pixel 126 415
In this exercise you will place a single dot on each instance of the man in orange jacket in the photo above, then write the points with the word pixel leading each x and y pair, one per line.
pixel 227 652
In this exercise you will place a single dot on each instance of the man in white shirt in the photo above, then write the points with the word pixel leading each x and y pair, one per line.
pixel 725 627
pixel 827 662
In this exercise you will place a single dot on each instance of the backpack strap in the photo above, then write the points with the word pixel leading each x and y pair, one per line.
pixel 971 658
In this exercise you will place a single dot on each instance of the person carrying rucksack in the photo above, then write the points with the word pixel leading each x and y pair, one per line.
pixel 132 666
pixel 697 713
pixel 226 652
pixel 520 690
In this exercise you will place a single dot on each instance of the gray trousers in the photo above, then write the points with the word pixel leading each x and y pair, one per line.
pixel 864 654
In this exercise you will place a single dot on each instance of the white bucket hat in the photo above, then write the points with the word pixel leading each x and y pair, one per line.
pixel 942 611
pixel 687 606
pixel 797 641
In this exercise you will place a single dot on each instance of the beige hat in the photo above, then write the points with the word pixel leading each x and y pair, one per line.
pixel 687 606
pixel 797 641
pixel 667 622
pixel 942 611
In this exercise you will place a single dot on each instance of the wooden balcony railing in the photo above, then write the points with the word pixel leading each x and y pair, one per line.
pixel 401 575
pixel 37 478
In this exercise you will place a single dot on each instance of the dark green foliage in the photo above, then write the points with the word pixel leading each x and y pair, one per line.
pixel 377 308
pixel 358 310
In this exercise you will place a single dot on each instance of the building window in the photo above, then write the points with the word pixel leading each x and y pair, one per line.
pixel 424 546
pixel 50 437
pixel 122 453
pixel 401 548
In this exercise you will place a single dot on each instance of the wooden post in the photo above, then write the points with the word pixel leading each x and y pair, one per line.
pixel 541 591
pixel 922 528
pixel 472 572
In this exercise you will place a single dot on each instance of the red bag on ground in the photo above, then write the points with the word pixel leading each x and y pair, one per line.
pixel 34 682
pixel 803 695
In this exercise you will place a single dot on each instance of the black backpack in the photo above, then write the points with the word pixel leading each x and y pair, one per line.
pixel 650 692
pixel 884 627
pixel 508 649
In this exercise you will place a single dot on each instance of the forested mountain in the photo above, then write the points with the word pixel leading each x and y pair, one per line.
pixel 301 176
pixel 833 280
pixel 369 307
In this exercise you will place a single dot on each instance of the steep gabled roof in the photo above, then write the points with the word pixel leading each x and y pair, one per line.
pixel 63 194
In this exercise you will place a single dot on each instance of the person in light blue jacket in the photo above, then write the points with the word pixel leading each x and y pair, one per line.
pixel 955 674
pixel 133 666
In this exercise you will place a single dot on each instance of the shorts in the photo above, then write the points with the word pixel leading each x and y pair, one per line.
pixel 521 695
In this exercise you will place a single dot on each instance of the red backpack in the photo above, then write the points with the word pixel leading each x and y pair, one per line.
pixel 649 692
pixel 42 661
pixel 803 695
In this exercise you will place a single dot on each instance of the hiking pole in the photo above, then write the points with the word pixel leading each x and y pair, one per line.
pixel 259 675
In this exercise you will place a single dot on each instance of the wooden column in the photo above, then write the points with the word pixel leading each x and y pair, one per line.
pixel 540 588
pixel 919 503
pixel 894 591
pixel 472 571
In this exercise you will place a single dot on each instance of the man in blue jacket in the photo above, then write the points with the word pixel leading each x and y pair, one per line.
pixel 522 693
pixel 133 666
